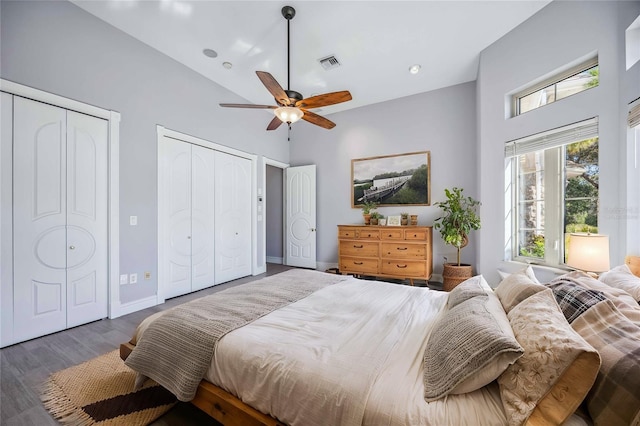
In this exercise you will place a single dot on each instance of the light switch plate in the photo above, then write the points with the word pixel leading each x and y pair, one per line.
pixel 133 278
pixel 124 279
pixel 133 220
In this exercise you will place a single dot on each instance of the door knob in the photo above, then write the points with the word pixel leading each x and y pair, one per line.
pixel 313 229
pixel 188 237
pixel 72 247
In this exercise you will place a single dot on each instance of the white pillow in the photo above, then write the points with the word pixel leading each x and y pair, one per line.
pixel 622 278
pixel 528 271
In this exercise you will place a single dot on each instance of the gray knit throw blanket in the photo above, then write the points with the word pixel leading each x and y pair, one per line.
pixel 177 348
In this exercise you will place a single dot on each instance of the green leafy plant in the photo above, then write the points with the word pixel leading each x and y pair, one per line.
pixel 460 217
pixel 404 215
pixel 368 206
pixel 376 215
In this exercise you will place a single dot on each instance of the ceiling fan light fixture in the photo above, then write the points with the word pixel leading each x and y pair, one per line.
pixel 288 114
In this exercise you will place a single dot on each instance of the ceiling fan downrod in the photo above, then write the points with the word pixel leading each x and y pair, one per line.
pixel 288 12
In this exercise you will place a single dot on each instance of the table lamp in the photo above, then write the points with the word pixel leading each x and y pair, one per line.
pixel 588 252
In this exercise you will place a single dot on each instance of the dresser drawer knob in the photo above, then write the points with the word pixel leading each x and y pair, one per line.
pixel 360 246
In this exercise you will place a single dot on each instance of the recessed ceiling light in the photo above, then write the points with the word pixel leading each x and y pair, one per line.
pixel 227 65
pixel 210 53
pixel 414 69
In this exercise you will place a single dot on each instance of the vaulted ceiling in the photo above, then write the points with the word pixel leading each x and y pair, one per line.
pixel 375 42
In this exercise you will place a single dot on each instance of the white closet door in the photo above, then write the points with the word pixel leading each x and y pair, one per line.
pixel 87 286
pixel 39 212
pixel 202 218
pixel 175 210
pixel 301 216
pixel 233 217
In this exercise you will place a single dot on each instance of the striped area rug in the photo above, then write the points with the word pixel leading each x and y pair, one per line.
pixel 100 392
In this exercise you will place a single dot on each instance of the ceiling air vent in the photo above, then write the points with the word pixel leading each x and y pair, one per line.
pixel 329 63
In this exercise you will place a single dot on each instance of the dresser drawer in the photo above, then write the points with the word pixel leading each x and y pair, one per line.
pixel 368 234
pixel 404 251
pixel 415 235
pixel 358 265
pixel 347 233
pixel 392 234
pixel 359 248
pixel 408 268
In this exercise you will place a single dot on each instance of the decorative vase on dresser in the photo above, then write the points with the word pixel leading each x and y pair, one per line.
pixel 403 252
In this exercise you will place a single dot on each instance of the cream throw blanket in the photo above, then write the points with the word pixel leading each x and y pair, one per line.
pixel 176 349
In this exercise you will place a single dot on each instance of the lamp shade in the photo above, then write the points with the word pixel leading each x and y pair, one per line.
pixel 589 252
pixel 288 114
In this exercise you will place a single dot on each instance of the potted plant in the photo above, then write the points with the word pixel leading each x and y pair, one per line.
pixel 404 218
pixel 375 216
pixel 460 217
pixel 367 208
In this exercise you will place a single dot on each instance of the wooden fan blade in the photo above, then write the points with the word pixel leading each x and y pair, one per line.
pixel 318 120
pixel 248 106
pixel 325 99
pixel 275 123
pixel 273 87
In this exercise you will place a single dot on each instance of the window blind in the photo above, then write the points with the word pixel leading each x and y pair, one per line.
pixel 634 113
pixel 560 136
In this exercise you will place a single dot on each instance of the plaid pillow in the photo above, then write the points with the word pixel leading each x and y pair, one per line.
pixel 573 299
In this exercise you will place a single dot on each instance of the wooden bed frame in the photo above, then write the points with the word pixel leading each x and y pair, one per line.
pixel 219 404
pixel 231 411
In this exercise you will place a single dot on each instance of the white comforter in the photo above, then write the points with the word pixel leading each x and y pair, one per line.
pixel 348 354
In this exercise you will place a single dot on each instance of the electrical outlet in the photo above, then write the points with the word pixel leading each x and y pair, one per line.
pixel 124 279
pixel 133 278
pixel 147 275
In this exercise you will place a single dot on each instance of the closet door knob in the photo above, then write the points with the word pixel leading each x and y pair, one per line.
pixel 72 247
pixel 188 237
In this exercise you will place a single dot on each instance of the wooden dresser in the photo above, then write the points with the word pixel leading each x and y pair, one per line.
pixel 403 252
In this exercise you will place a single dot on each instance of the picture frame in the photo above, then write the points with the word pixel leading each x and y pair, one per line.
pixel 393 220
pixel 392 180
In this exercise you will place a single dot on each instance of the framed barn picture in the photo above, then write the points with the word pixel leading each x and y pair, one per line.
pixel 392 180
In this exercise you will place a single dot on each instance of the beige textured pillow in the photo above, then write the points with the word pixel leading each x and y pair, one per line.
pixel 622 278
pixel 471 345
pixel 548 383
pixel 515 288
pixel 474 286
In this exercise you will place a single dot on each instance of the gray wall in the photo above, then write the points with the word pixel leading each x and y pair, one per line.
pixel 59 48
pixel 274 211
pixel 441 121
pixel 560 33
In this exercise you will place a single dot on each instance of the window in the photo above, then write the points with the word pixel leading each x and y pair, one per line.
pixel 574 80
pixel 554 190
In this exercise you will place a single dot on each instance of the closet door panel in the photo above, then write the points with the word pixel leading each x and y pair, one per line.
pixel 39 212
pixel 202 218
pixel 175 208
pixel 233 217
pixel 86 218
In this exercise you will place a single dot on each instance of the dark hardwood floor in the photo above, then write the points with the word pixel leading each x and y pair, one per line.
pixel 25 366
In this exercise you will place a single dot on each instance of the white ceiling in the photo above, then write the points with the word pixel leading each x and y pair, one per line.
pixel 375 41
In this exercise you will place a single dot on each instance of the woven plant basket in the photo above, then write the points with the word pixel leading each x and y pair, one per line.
pixel 452 275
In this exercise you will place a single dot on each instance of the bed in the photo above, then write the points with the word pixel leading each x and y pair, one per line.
pixel 357 352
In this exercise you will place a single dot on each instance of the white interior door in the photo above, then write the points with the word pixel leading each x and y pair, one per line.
pixel 87 258
pixel 39 212
pixel 300 218
pixel 175 210
pixel 202 218
pixel 233 217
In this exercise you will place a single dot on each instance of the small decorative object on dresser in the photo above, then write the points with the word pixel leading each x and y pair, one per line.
pixel 367 208
pixel 394 221
pixel 403 252
pixel 404 218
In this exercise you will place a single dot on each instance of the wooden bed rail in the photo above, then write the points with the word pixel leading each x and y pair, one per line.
pixel 219 404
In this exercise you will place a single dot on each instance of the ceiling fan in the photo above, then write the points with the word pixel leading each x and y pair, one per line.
pixel 291 105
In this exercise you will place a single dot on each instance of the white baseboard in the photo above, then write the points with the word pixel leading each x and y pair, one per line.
pixel 273 259
pixel 127 308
